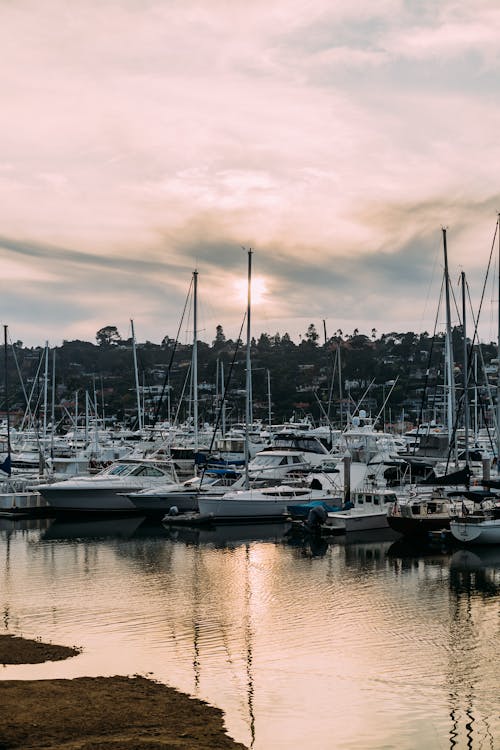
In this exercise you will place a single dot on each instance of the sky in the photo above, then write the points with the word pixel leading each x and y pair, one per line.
pixel 141 140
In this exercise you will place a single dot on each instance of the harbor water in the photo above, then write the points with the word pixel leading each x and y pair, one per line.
pixel 351 643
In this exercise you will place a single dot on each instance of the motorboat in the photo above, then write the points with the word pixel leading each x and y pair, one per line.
pixel 183 496
pixel 106 491
pixel 254 504
pixel 277 464
pixel 366 510
pixel 312 449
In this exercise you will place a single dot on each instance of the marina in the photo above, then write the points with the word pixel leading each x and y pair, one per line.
pixel 285 633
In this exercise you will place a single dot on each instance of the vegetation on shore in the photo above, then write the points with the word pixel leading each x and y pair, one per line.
pixel 320 376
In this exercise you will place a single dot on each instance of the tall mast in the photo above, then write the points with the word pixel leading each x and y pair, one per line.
pixel 450 378
pixel 6 465
pixel 248 370
pixel 45 396
pixel 269 402
pixel 136 373
pixel 465 375
pixel 498 351
pixel 53 399
pixel 195 359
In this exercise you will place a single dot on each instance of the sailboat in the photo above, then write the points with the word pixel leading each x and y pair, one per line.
pixel 482 526
pixel 430 509
pixel 16 501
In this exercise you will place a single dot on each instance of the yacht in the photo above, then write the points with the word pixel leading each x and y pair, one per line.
pixel 277 464
pixel 268 503
pixel 183 496
pixel 309 446
pixel 106 491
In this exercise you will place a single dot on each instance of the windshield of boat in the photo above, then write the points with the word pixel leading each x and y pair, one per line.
pixel 309 444
pixel 124 470
pixel 269 460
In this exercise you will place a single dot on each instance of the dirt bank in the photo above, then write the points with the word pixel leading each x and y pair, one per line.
pixel 15 650
pixel 103 713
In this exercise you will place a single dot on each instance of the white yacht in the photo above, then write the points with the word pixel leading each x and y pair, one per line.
pixel 309 446
pixel 184 496
pixel 269 503
pixel 105 491
pixel 277 464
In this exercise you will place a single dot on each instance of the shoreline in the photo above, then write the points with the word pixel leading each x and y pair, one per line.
pixel 115 713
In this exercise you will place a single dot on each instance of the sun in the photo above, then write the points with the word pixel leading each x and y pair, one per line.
pixel 258 290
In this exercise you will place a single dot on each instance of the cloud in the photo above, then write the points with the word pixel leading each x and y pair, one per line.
pixel 144 139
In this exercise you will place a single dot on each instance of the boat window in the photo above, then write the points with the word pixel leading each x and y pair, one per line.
pixel 146 471
pixel 376 500
pixel 415 510
pixel 296 460
pixel 119 469
pixel 368 498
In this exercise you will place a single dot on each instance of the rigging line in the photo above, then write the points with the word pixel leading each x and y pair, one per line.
pixel 186 379
pixel 487 272
pixel 29 412
pixel 172 354
pixel 483 366
pixel 226 386
pixel 356 408
pixel 429 360
pixel 386 400
pixel 436 255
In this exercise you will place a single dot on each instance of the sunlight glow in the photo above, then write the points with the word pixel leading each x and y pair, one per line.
pixel 259 290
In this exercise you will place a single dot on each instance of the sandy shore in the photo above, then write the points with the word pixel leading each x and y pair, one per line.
pixel 100 713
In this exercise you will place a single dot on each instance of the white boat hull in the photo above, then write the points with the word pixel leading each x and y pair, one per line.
pixel 344 522
pixel 229 509
pixel 91 500
pixel 484 532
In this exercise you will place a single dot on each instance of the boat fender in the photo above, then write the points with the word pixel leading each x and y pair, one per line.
pixel 173 510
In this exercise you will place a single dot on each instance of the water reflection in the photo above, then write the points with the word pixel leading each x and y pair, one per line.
pixel 473 577
pixel 285 634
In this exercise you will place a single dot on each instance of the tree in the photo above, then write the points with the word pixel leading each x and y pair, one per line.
pixel 220 339
pixel 107 336
pixel 312 335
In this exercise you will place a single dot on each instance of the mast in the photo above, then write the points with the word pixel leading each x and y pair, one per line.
pixel 53 411
pixel 223 396
pixel 45 397
pixel 498 351
pixel 248 370
pixel 465 375
pixel 194 374
pixel 450 379
pixel 139 410
pixel 6 466
pixel 269 402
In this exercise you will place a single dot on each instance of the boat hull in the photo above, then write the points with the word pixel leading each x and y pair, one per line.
pixel 91 500
pixel 240 509
pixel 342 523
pixel 417 527
pixel 485 532
pixel 159 505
